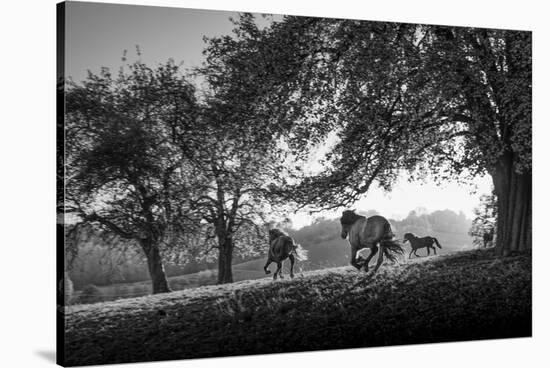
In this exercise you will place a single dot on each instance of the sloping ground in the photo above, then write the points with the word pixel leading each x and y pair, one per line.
pixel 249 270
pixel 468 295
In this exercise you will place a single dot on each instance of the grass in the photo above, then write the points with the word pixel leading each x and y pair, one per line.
pixel 463 296
pixel 250 270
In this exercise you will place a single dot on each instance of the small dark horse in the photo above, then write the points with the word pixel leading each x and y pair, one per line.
pixel 488 236
pixel 369 232
pixel 424 242
pixel 281 247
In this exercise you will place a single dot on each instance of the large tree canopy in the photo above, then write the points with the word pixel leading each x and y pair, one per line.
pixel 126 139
pixel 447 101
pixel 150 160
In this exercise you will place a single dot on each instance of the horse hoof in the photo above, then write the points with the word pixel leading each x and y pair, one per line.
pixel 267 272
pixel 291 276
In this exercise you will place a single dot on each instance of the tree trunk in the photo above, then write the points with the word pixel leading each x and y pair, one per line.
pixel 225 258
pixel 156 268
pixel 514 199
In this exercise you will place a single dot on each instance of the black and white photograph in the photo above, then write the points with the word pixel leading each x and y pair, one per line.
pixel 235 183
pixel 267 184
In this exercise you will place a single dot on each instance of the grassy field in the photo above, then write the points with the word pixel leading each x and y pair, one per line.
pixel 463 296
pixel 250 270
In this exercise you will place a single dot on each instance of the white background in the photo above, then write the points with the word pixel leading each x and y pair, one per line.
pixel 27 166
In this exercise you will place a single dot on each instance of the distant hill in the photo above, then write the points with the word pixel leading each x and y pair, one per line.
pixel 462 296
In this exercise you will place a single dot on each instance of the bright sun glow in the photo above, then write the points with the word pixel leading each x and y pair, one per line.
pixel 406 197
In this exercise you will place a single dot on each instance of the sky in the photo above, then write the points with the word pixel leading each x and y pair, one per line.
pixel 97 35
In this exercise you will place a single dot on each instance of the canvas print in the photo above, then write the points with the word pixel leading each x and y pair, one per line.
pixel 233 183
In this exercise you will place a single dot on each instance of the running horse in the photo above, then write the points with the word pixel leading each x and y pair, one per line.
pixel 281 247
pixel 417 243
pixel 372 232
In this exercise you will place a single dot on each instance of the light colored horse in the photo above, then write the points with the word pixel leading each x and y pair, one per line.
pixel 369 233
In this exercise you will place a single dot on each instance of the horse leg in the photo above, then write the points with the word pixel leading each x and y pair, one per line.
pixel 380 260
pixel 278 271
pixel 428 249
pixel 291 257
pixel 435 252
pixel 267 272
pixel 354 259
pixel 373 251
pixel 411 253
pixel 415 252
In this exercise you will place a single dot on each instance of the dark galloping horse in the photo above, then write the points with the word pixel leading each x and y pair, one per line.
pixel 369 233
pixel 281 247
pixel 488 236
pixel 424 242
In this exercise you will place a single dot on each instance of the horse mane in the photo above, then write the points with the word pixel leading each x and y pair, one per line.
pixel 275 233
pixel 410 235
pixel 349 217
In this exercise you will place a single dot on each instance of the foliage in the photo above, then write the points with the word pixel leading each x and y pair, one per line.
pixel 388 98
pixel 400 97
pixel 485 218
pixel 157 168
pixel 125 168
pixel 240 160
pixel 126 141
pixel 465 296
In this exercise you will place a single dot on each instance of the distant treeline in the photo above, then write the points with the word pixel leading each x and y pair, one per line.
pixel 327 249
pixel 99 263
pixel 96 258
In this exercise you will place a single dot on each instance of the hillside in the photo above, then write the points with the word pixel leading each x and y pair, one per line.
pixel 462 296
pixel 323 253
pixel 109 273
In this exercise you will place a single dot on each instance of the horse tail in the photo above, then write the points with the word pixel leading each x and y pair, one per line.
pixel 301 253
pixel 437 242
pixel 392 249
pixel 388 233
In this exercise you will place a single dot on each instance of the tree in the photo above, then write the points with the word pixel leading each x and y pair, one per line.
pixel 232 179
pixel 391 98
pixel 240 157
pixel 126 140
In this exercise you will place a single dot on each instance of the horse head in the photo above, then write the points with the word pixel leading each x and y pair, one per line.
pixel 275 233
pixel 408 237
pixel 348 218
